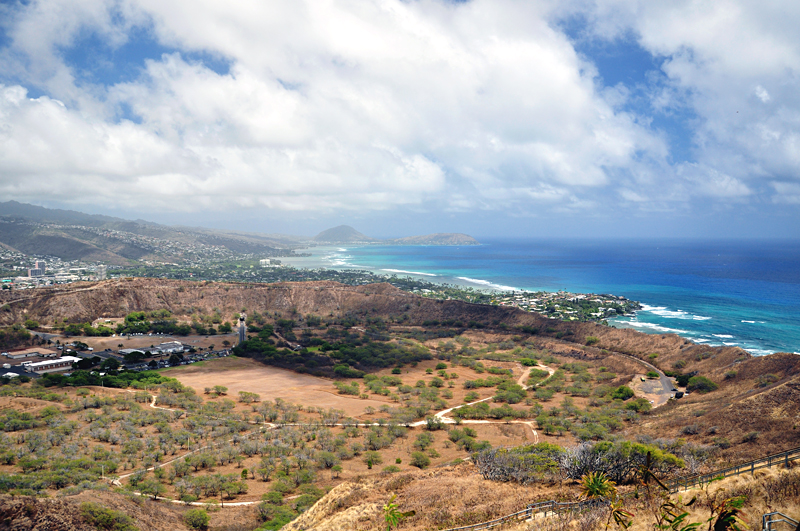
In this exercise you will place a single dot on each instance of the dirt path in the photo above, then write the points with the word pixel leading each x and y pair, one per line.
pixel 442 415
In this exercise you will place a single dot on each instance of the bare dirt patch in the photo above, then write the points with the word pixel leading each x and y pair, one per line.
pixel 24 404
pixel 240 374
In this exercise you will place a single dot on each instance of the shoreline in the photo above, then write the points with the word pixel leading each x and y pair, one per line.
pixel 656 319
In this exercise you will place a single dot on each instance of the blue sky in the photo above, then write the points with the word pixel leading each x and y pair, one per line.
pixel 495 118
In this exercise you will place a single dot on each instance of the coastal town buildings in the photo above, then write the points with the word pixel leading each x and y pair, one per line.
pixel 61 364
pixel 30 353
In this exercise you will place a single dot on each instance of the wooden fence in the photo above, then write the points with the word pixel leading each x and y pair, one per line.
pixel 547 508
pixel 783 458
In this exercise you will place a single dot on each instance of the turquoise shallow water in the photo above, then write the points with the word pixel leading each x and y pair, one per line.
pixel 742 293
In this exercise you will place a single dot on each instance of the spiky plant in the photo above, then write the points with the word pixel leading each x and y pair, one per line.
pixel 597 485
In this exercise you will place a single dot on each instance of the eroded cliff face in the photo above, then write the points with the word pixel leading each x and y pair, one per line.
pixel 85 302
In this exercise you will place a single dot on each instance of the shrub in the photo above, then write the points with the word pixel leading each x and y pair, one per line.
pixel 750 437
pixel 604 376
pixel 107 519
pixel 197 519
pixel 372 458
pixel 420 460
pixel 701 384
pixel 692 429
pixel 524 464
pixel 766 379
pixel 623 392
pixel 544 394
pixel 652 374
pixel 722 443
pixel 620 461
pixel 592 340
pixel 641 405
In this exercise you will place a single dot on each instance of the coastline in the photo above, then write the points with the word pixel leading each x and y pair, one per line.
pixel 336 256
pixel 715 323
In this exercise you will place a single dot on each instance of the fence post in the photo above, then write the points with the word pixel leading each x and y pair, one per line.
pixel 752 468
pixel 786 457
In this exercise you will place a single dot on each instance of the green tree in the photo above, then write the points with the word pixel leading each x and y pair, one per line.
pixel 153 488
pixel 197 518
pixel 701 384
pixel 372 458
pixel 420 460
pixel 623 392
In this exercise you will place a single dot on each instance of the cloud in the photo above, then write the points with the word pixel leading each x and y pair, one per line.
pixel 736 64
pixel 337 105
pixel 382 104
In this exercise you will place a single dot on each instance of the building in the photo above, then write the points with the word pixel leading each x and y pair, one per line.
pixel 40 264
pixel 36 272
pixel 126 351
pixel 170 347
pixel 63 363
pixel 101 272
pixel 30 353
pixel 264 262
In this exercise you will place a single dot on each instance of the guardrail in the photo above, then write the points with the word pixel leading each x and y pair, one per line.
pixel 770 521
pixel 782 458
pixel 533 509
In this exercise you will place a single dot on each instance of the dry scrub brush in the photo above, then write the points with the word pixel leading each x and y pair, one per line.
pixel 763 492
pixel 441 498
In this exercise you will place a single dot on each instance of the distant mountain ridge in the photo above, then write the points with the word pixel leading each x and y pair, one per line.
pixel 347 234
pixel 72 235
pixel 341 234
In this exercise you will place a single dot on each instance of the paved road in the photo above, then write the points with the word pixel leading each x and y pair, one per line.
pixel 666 382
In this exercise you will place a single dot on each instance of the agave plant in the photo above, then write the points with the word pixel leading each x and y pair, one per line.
pixel 597 485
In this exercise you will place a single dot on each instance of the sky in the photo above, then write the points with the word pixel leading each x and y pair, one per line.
pixel 569 118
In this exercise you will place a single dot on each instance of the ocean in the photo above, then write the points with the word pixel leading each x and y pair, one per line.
pixel 737 293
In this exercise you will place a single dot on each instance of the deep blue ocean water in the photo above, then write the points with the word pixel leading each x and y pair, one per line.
pixel 743 293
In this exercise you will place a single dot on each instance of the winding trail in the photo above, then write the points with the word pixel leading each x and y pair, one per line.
pixel 441 415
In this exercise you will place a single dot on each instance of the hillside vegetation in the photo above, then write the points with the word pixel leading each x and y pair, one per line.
pixel 466 412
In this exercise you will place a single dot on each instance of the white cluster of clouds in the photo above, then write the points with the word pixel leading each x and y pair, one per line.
pixel 352 105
